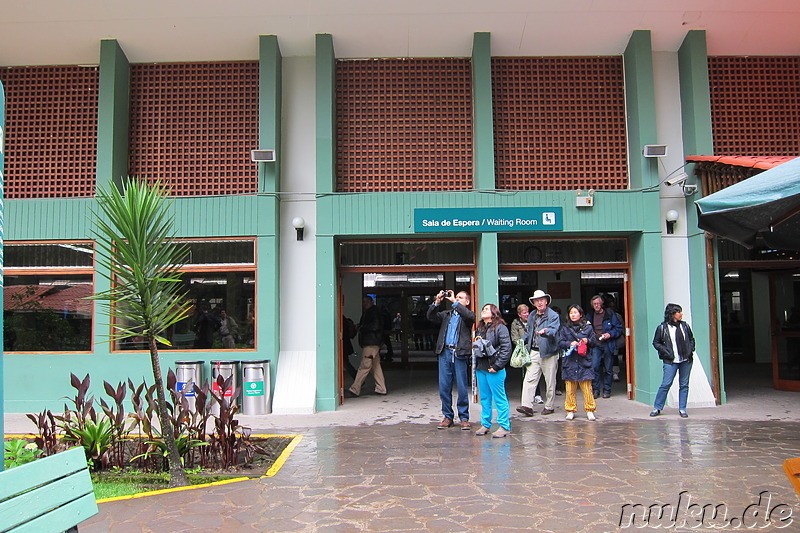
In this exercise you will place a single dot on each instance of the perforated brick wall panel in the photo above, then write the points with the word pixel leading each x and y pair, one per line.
pixel 51 131
pixel 755 105
pixel 403 125
pixel 193 126
pixel 559 123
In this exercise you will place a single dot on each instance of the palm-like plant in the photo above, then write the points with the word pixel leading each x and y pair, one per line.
pixel 137 248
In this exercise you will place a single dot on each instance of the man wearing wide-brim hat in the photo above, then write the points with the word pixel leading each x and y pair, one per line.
pixel 542 341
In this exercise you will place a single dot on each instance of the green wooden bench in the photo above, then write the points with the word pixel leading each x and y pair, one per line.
pixel 47 495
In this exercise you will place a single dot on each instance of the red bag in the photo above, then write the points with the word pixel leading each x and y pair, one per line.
pixel 582 348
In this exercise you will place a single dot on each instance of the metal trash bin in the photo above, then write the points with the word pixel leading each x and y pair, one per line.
pixel 187 374
pixel 225 369
pixel 256 388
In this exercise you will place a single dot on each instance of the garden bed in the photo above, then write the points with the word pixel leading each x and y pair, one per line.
pixel 110 484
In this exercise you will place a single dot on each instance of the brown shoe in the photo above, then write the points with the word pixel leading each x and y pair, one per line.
pixel 525 410
pixel 483 431
pixel 445 423
pixel 465 425
pixel 547 411
pixel 500 433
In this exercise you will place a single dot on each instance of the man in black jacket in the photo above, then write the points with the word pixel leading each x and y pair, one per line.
pixel 454 348
pixel 370 336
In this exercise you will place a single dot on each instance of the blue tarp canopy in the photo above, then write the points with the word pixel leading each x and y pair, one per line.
pixel 763 210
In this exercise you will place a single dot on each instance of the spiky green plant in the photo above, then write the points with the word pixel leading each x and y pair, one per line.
pixel 141 258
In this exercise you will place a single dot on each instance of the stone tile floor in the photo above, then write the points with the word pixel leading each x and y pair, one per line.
pixel 546 477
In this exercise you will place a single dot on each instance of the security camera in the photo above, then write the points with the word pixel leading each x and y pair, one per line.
pixel 677 180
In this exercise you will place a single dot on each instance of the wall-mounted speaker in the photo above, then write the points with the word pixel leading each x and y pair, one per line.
pixel 263 156
pixel 654 150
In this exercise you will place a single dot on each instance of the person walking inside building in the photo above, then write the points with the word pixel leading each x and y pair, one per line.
pixel 674 342
pixel 607 328
pixel 491 371
pixel 453 348
pixel 542 340
pixel 370 337
pixel 577 339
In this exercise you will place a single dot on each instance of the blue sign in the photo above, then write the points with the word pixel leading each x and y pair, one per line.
pixel 488 219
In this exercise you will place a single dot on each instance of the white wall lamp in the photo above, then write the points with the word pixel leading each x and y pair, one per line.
pixel 672 218
pixel 299 224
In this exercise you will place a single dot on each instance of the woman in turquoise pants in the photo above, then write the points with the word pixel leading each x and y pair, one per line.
pixel 491 371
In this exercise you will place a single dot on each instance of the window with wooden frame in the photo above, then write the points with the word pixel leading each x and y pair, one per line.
pixel 45 305
pixel 220 274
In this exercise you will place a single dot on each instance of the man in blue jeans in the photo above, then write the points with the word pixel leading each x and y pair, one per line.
pixel 454 348
pixel 607 328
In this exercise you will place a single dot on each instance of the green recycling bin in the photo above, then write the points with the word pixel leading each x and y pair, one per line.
pixel 256 388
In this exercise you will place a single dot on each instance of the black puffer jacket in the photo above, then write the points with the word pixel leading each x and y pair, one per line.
pixel 501 340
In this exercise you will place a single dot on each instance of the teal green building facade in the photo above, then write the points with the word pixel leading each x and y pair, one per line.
pixel 36 381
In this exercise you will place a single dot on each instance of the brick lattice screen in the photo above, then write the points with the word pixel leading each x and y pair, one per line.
pixel 559 123
pixel 755 105
pixel 51 131
pixel 193 126
pixel 403 125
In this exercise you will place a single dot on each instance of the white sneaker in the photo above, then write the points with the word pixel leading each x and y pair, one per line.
pixel 570 415
pixel 590 416
pixel 537 399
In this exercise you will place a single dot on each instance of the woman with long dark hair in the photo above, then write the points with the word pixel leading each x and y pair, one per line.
pixel 674 342
pixel 576 337
pixel 491 371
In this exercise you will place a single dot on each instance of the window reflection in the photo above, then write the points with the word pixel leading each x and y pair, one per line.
pixel 46 313
pixel 212 293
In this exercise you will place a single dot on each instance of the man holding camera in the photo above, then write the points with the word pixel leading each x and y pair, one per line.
pixel 453 348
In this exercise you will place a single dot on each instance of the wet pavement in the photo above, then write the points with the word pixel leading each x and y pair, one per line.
pixel 379 464
pixel 548 476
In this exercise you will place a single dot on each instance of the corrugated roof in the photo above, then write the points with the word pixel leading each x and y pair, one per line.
pixel 760 162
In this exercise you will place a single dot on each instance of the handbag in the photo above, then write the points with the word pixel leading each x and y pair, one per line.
pixel 582 349
pixel 521 356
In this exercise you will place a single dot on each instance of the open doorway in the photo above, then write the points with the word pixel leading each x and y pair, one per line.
pixel 402 278
pixel 567 286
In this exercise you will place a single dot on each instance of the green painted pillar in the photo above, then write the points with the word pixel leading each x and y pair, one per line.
pixel 698 139
pixel 325 114
pixel 327 283
pixel 113 114
pixel 2 233
pixel 488 271
pixel 113 126
pixel 647 283
pixel 269 110
pixel 269 179
pixel 483 112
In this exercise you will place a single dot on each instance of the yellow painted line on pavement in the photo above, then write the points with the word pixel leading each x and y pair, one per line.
pixel 276 466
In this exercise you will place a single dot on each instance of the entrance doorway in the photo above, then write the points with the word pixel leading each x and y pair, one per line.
pixel 572 271
pixel 402 277
pixel 759 302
